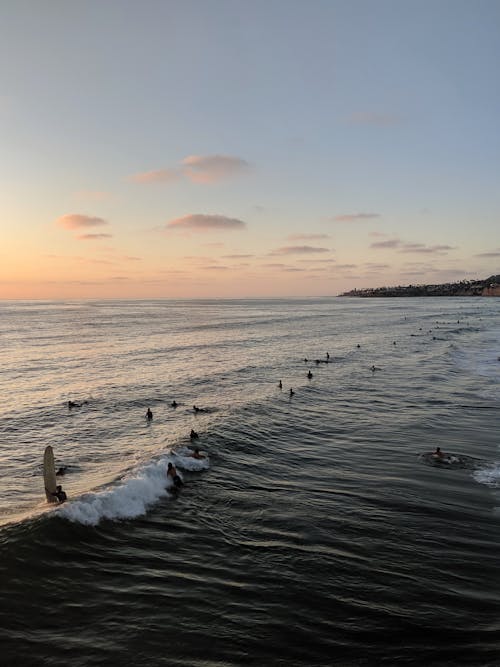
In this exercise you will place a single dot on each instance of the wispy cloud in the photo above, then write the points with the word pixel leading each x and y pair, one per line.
pixel 213 168
pixel 236 256
pixel 390 243
pixel 377 267
pixel 373 118
pixel 418 248
pixel 200 222
pixel 426 250
pixel 78 221
pixel 298 250
pixel 495 253
pixel 158 176
pixel 355 217
pixel 307 237
pixel 205 169
pixel 94 237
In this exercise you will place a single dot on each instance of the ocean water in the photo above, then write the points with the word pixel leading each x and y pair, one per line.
pixel 318 530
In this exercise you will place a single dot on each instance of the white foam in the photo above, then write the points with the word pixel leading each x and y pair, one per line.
pixel 130 497
pixel 489 475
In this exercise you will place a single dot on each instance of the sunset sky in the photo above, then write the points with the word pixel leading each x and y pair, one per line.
pixel 234 148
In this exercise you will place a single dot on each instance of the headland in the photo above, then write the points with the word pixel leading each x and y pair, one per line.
pixel 487 287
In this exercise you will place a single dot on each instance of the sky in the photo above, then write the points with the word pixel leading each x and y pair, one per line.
pixel 246 148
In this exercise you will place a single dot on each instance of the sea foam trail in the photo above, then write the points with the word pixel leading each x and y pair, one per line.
pixel 489 475
pixel 133 495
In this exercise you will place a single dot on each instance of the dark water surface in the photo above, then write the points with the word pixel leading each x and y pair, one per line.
pixel 319 530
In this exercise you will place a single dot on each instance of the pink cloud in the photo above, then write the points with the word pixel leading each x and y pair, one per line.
pixel 298 250
pixel 202 223
pixel 94 237
pixel 354 217
pixel 236 256
pixel 78 221
pixel 212 168
pixel 307 237
pixel 159 176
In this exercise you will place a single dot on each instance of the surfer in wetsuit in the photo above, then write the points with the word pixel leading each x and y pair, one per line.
pixel 280 384
pixel 174 404
pixel 149 414
pixel 60 494
pixel 172 473
pixel 309 375
pixel 193 435
pixel 61 471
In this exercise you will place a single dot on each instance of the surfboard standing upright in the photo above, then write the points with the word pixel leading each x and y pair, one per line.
pixel 49 475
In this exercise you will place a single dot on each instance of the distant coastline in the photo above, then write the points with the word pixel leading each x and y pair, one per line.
pixel 487 287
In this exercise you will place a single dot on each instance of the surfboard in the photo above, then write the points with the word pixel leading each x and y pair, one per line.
pixel 49 475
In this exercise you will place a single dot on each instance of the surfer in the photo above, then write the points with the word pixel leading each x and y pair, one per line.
pixel 72 404
pixel 193 435
pixel 197 409
pixel 174 404
pixel 172 473
pixel 196 454
pixel 60 494
pixel 149 414
pixel 309 375
pixel 438 453
pixel 61 471
pixel 280 384
pixel 291 392
pixel 327 356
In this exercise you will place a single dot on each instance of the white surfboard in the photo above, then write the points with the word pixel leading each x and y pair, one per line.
pixel 49 475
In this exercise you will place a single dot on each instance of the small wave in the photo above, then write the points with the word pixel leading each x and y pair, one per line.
pixel 132 496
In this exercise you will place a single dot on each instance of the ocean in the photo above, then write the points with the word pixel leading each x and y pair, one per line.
pixel 318 529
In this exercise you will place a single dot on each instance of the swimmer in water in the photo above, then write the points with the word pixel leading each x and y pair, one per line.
pixel 438 453
pixel 61 471
pixel 60 494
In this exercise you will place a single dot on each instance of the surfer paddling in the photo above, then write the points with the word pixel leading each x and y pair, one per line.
pixel 438 454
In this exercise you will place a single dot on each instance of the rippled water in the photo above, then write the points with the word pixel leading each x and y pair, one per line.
pixel 318 530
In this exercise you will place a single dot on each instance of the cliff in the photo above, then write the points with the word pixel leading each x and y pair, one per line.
pixel 488 287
